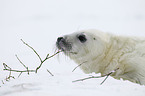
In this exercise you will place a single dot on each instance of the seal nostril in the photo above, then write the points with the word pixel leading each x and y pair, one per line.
pixel 59 39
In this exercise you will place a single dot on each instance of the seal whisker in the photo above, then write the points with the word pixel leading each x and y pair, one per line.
pixel 78 66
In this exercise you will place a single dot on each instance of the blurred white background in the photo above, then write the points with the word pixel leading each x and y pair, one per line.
pixel 40 22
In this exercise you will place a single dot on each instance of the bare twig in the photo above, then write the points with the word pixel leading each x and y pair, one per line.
pixel 7 68
pixel 41 61
pixel 32 49
pixel 47 57
pixel 23 64
pixel 49 72
pixel 78 66
pixel 106 75
pixel 19 70
pixel 105 79
pixel 3 82
pixel 88 78
pixel 20 74
pixel 9 76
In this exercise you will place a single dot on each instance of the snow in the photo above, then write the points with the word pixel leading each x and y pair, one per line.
pixel 40 22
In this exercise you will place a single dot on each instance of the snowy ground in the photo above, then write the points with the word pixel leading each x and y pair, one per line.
pixel 40 22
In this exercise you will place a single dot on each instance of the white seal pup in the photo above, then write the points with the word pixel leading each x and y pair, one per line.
pixel 103 52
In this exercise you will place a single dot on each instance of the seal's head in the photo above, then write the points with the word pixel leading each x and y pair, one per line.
pixel 82 46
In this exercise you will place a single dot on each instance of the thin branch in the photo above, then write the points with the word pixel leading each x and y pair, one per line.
pixel 49 72
pixel 3 82
pixel 21 61
pixel 20 74
pixel 9 77
pixel 32 49
pixel 22 64
pixel 105 79
pixel 47 57
pixel 78 66
pixel 107 75
pixel 20 70
pixel 7 68
pixel 88 78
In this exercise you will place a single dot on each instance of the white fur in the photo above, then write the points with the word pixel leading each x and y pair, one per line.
pixel 104 52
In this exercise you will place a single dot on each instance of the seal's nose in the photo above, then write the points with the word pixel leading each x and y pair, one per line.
pixel 59 39
pixel 62 44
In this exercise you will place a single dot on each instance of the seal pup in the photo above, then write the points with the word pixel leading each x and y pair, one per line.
pixel 104 52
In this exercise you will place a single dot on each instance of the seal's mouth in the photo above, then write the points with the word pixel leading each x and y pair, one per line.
pixel 63 45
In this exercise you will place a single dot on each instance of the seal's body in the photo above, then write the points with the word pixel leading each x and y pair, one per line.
pixel 101 52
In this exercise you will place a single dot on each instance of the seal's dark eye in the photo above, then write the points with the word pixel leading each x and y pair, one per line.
pixel 82 38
